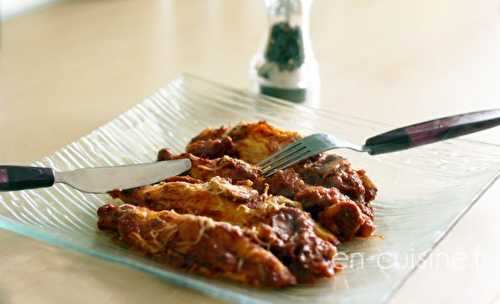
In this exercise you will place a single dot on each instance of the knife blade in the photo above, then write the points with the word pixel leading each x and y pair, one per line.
pixel 91 180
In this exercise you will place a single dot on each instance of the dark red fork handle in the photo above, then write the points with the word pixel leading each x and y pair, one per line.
pixel 432 131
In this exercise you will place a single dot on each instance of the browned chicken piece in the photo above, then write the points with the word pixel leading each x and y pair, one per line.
pixel 195 243
pixel 345 221
pixel 335 211
pixel 227 167
pixel 275 222
pixel 251 142
pixel 331 170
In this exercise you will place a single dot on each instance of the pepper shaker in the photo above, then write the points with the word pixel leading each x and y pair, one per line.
pixel 285 66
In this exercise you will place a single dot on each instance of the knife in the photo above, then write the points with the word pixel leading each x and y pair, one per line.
pixel 91 180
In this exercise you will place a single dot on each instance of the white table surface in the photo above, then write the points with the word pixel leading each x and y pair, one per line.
pixel 68 68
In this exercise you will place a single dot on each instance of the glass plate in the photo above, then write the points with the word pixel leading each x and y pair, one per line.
pixel 423 192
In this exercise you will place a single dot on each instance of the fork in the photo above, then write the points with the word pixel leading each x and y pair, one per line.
pixel 395 140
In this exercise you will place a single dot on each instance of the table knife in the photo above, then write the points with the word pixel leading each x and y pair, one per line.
pixel 91 180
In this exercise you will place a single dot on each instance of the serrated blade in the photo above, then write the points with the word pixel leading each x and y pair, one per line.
pixel 105 179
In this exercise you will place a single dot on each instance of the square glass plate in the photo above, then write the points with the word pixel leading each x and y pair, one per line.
pixel 423 192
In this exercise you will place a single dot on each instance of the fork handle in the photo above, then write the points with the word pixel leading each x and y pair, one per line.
pixel 432 131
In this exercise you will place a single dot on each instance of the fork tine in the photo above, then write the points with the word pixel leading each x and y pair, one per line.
pixel 296 158
pixel 272 157
pixel 283 156
pixel 286 160
pixel 304 142
pixel 302 149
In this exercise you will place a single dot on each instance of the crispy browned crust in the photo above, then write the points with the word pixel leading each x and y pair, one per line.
pixel 196 244
pixel 250 142
pixel 275 222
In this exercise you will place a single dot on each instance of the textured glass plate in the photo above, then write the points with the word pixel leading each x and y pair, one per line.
pixel 423 192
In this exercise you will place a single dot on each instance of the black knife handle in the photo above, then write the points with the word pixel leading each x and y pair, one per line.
pixel 432 131
pixel 18 178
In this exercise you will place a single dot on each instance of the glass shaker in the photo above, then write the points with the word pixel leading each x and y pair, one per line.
pixel 285 67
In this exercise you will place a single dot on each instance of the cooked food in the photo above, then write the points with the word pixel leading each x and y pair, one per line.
pixel 290 221
pixel 275 222
pixel 353 217
pixel 251 142
pixel 198 244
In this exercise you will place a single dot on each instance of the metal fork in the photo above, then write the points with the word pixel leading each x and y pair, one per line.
pixel 395 140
